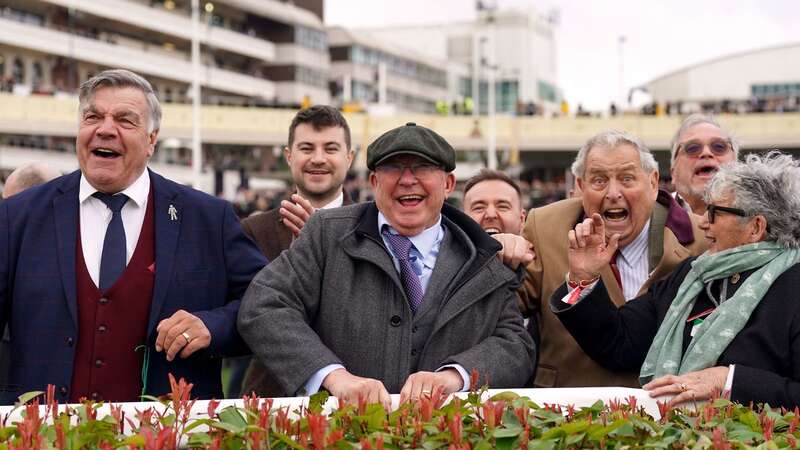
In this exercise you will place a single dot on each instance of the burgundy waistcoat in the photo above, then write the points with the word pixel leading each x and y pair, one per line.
pixel 111 325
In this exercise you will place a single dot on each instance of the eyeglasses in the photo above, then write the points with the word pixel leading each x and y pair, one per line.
pixel 718 147
pixel 420 170
pixel 713 209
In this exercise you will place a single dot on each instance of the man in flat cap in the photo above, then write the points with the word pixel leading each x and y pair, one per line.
pixel 400 295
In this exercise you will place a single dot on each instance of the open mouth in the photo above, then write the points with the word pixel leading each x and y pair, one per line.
pixel 492 230
pixel 706 171
pixel 317 172
pixel 615 214
pixel 105 153
pixel 410 200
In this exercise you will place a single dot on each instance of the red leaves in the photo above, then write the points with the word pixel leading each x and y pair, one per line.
pixel 317 425
pixel 456 428
pixel 493 413
pixel 211 409
pixel 718 439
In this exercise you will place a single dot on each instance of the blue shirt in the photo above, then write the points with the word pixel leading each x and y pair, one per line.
pixel 424 251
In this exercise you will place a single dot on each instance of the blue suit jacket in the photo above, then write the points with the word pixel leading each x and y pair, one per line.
pixel 204 264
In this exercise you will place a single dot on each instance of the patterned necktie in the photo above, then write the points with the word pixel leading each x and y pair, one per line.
pixel 112 263
pixel 402 248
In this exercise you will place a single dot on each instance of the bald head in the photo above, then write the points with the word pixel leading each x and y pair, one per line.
pixel 27 176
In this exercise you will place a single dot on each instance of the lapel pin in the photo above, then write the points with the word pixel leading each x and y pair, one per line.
pixel 173 213
pixel 735 278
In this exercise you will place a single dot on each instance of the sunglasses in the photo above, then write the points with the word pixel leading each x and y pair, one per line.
pixel 713 209
pixel 717 147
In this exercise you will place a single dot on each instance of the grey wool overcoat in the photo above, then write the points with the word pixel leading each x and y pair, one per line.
pixel 336 297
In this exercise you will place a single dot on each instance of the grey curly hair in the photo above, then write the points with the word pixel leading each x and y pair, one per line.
pixel 766 185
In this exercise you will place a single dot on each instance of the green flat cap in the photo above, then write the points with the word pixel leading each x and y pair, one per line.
pixel 412 139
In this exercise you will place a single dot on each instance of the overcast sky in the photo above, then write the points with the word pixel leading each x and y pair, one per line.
pixel 660 36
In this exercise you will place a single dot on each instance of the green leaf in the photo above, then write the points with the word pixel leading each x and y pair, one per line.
pixel 505 432
pixel 538 444
pixel 199 440
pixel 150 398
pixel 232 417
pixel 376 415
pixel 624 430
pixel 317 401
pixel 483 445
pixel 507 396
pixel 196 423
pixel 504 443
pixel 574 439
pixel 28 396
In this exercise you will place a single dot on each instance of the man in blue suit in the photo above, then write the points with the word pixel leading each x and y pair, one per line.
pixel 112 277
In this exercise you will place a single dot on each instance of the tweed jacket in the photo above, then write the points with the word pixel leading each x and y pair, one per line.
pixel 561 361
pixel 270 234
pixel 766 351
pixel 335 297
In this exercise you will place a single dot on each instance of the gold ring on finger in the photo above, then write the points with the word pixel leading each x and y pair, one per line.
pixel 187 337
pixel 682 387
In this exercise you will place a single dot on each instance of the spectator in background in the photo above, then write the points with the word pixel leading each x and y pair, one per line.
pixel 318 153
pixel 27 176
pixel 493 200
pixel 699 147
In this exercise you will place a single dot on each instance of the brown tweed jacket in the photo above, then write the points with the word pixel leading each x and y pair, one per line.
pixel 272 237
pixel 269 232
pixel 562 363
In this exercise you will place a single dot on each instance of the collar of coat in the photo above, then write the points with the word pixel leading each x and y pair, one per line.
pixel 453 219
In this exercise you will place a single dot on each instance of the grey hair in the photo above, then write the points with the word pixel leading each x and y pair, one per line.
pixel 121 78
pixel 697 119
pixel 609 140
pixel 767 185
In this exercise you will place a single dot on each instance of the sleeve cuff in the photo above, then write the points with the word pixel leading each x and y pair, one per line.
pixel 584 291
pixel 313 384
pixel 729 380
pixel 461 371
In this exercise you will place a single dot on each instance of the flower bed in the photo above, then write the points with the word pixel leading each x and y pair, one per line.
pixel 505 421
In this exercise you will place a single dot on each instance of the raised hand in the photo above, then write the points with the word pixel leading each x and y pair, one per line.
pixel 588 250
pixel 295 213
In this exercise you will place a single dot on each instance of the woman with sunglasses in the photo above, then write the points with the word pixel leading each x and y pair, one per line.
pixel 727 321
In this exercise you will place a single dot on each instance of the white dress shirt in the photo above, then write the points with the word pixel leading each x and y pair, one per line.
pixel 95 216
pixel 633 264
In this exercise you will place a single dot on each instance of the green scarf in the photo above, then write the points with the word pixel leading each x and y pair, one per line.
pixel 717 331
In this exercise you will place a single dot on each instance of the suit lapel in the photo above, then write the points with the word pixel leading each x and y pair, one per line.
pixel 167 232
pixel 674 253
pixel 66 209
